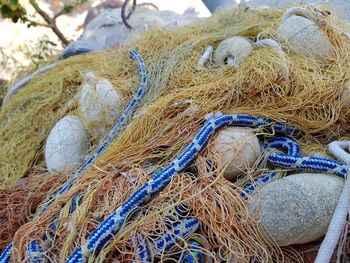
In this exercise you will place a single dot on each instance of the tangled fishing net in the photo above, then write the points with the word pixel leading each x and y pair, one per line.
pixel 284 86
pixel 28 117
pixel 18 204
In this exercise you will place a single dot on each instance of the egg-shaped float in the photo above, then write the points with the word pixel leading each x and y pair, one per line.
pixel 304 35
pixel 232 51
pixel 296 209
pixel 66 144
pixel 99 105
pixel 237 149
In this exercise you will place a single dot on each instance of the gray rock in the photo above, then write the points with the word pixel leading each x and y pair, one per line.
pixel 298 208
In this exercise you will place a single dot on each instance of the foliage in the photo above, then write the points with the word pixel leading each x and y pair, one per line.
pixel 14 10
pixel 39 51
pixel 33 54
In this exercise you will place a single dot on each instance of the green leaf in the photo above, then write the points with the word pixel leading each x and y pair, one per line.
pixel 68 9
pixel 32 23
pixel 14 14
pixel 6 11
pixel 14 4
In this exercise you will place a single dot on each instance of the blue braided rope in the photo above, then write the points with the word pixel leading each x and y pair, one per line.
pixel 5 256
pixel 74 203
pixel 249 190
pixel 112 224
pixel 293 159
pixel 74 51
pixel 293 149
pixel 143 250
pixel 34 245
pixel 285 143
pixel 167 240
pixel 194 253
pixel 117 127
pixel 35 252
pixel 178 232
pixel 24 81
pixel 312 164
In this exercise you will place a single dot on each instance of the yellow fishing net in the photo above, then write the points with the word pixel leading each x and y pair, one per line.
pixel 287 87
pixel 30 114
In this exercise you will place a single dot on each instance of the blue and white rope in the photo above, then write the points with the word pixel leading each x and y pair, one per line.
pixel 74 51
pixel 293 160
pixel 284 143
pixel 195 252
pixel 117 127
pixel 278 143
pixel 143 250
pixel 5 256
pixel 167 240
pixel 249 190
pixel 108 228
pixel 178 232
pixel 312 164
pixel 35 252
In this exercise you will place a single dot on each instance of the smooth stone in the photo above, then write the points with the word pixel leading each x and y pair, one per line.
pixel 306 37
pixel 296 209
pixel 66 144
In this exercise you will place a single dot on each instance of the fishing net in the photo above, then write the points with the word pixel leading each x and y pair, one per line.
pixel 18 204
pixel 28 117
pixel 284 86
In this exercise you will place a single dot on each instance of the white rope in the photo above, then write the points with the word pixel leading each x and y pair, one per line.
pixel 207 53
pixel 325 253
pixel 268 42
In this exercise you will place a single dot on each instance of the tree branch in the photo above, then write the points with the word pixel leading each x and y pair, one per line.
pixel 58 14
pixel 51 22
pixel 26 19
